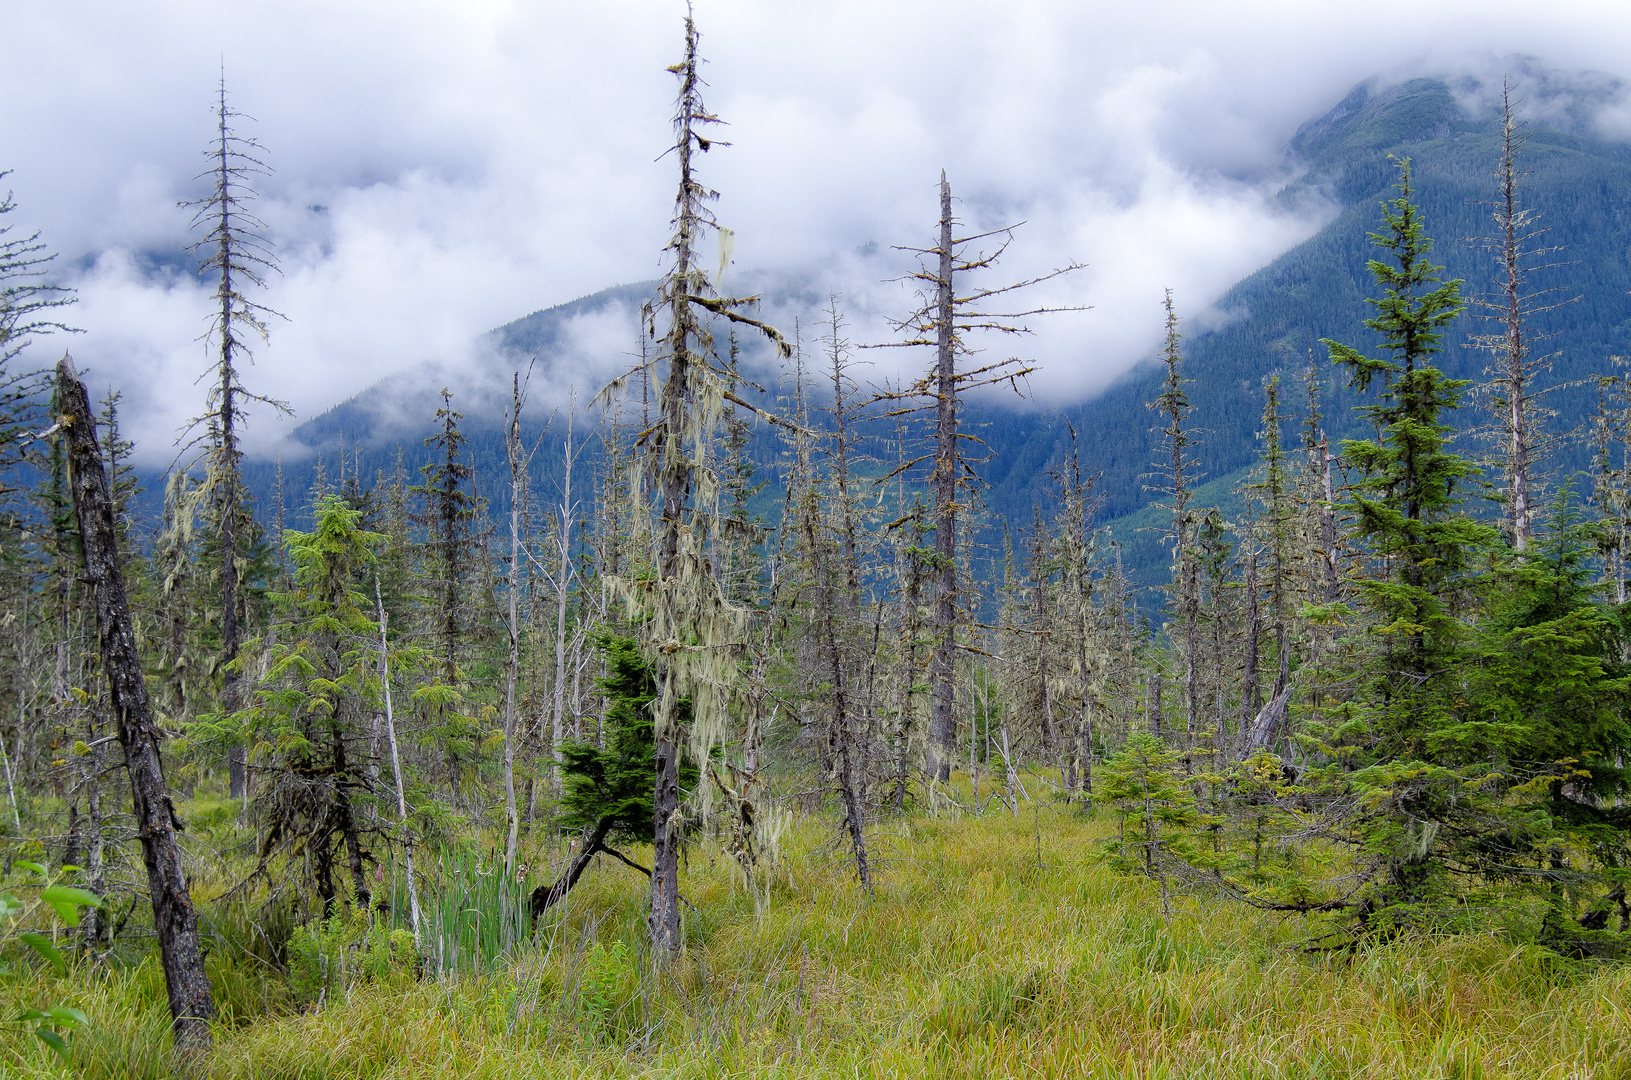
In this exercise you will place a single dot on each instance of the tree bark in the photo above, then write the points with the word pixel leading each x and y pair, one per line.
pixel 664 918
pixel 1251 691
pixel 563 577
pixel 396 766
pixel 174 918
pixel 942 665
pixel 513 447
pixel 545 897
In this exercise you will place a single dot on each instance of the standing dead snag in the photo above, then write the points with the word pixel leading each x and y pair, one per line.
pixel 1077 506
pixel 236 251
pixel 944 321
pixel 689 629
pixel 828 518
pixel 1175 475
pixel 1513 392
pixel 174 918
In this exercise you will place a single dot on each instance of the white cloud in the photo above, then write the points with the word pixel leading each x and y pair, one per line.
pixel 443 167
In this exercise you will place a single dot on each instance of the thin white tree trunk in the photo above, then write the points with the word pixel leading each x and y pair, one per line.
pixel 513 447
pixel 396 768
pixel 562 582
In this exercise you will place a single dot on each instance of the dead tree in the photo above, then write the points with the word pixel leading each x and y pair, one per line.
pixel 1513 391
pixel 1078 504
pixel 175 920
pixel 237 252
pixel 944 321
pixel 690 630
pixel 1176 474
pixel 1275 525
pixel 518 460
pixel 832 560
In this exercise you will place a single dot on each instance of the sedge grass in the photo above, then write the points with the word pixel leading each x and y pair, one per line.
pixel 992 946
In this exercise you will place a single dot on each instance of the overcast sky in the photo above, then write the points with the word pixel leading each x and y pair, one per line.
pixel 444 167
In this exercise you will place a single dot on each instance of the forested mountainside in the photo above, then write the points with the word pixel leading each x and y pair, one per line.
pixel 1577 184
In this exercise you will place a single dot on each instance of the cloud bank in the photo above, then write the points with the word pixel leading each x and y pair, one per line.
pixel 444 167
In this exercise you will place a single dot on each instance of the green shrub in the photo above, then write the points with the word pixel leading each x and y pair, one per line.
pixel 331 955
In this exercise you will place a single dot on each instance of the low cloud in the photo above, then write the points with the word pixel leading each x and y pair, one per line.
pixel 443 168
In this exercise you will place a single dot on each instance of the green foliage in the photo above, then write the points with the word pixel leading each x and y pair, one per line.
pixel 331 955
pixel 1143 783
pixel 320 678
pixel 474 915
pixel 47 891
pixel 612 785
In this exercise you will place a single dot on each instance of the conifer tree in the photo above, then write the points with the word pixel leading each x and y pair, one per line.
pixel 1075 542
pixel 1176 475
pixel 448 511
pixel 236 251
pixel 1406 720
pixel 30 305
pixel 1274 525
pixel 320 682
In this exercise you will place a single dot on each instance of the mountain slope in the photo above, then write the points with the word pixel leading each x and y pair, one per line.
pixel 1579 183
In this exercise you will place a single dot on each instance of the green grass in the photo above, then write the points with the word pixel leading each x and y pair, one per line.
pixel 974 958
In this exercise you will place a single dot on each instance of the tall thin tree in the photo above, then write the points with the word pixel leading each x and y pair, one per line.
pixel 175 919
pixel 690 629
pixel 1176 473
pixel 236 251
pixel 945 320
pixel 1518 365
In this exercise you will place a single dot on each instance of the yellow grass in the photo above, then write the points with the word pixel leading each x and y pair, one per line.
pixel 976 957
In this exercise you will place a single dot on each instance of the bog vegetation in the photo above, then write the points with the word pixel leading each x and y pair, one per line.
pixel 624 778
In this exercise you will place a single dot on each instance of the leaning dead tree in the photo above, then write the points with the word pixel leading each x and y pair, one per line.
pixel 175 920
pixel 688 627
pixel 944 321
pixel 234 249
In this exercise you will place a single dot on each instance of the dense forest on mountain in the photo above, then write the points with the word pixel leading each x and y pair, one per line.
pixel 1266 715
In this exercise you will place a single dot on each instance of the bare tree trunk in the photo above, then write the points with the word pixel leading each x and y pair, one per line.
pixel 95 846
pixel 1515 347
pixel 174 919
pixel 512 446
pixel 396 768
pixel 1251 692
pixel 563 577
pixel 1152 717
pixel 346 818
pixel 942 665
pixel 1328 522
pixel 664 917
pixel 11 788
pixel 593 842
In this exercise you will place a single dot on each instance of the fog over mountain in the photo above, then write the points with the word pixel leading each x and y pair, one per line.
pixel 443 168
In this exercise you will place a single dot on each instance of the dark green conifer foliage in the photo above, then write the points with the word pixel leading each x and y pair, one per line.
pixel 449 512
pixel 1406 506
pixel 1144 784
pixel 1422 797
pixel 321 681
pixel 606 791
pixel 1553 684
pixel 609 788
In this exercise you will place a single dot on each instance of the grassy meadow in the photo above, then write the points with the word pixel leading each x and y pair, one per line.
pixel 993 945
